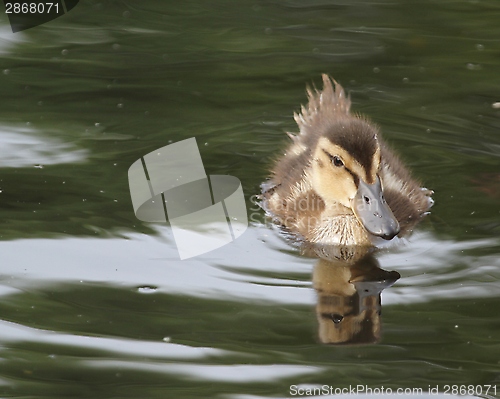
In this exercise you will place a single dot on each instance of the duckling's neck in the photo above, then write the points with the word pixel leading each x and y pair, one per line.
pixel 335 208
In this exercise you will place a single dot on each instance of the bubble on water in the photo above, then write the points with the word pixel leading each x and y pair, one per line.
pixel 116 46
pixel 120 105
pixel 166 339
pixel 473 67
pixel 479 47
pixel 64 52
pixel 6 71
pixel 406 80
pixel 376 70
pixel 147 289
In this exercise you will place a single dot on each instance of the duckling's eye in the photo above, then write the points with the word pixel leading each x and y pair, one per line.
pixel 337 161
pixel 336 318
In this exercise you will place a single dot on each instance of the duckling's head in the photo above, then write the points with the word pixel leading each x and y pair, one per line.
pixel 345 159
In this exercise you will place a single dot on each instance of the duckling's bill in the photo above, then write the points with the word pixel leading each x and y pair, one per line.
pixel 372 210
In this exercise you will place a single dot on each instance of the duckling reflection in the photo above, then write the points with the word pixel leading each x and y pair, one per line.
pixel 349 307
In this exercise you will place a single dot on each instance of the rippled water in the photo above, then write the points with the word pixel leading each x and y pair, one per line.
pixel 97 304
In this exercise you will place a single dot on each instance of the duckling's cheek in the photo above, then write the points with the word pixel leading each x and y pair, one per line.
pixel 350 187
pixel 343 189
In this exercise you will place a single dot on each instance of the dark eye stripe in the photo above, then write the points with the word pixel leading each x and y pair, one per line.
pixel 354 176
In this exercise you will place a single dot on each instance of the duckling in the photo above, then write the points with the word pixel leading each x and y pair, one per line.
pixel 338 183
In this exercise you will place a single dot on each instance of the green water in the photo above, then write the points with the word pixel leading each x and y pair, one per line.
pixel 96 304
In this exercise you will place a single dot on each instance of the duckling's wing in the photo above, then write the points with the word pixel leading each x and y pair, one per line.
pixel 404 195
